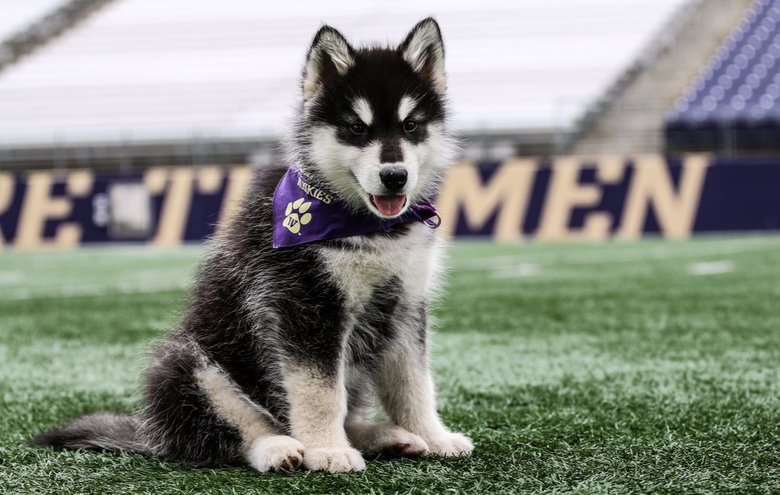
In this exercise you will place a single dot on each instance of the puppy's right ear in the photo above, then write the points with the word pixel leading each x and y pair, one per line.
pixel 330 56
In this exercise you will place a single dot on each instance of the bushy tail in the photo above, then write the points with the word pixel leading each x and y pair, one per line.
pixel 102 431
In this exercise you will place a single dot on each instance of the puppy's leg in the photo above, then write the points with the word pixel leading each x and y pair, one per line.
pixel 406 390
pixel 265 448
pixel 318 408
pixel 375 438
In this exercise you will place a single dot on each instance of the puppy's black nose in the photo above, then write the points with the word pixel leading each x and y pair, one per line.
pixel 394 178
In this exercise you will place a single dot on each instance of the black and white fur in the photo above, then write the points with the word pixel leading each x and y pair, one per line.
pixel 283 353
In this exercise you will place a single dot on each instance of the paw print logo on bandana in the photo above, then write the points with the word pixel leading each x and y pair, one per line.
pixel 295 215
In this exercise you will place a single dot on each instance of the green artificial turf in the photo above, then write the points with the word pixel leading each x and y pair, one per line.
pixel 601 368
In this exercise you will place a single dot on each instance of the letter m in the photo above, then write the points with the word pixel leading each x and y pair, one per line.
pixel 506 191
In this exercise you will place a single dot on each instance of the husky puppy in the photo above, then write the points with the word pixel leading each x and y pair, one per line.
pixel 283 353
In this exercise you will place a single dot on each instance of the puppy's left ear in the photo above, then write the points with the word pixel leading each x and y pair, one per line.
pixel 423 48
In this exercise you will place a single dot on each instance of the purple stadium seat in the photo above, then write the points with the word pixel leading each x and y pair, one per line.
pixel 734 106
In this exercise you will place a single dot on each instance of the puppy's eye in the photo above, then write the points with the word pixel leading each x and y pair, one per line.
pixel 410 125
pixel 358 129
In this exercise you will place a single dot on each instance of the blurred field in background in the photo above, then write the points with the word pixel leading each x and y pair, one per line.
pixel 622 367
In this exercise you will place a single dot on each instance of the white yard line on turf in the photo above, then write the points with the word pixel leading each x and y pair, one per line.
pixel 711 267
pixel 121 250
pixel 670 251
pixel 10 278
pixel 87 290
pixel 522 270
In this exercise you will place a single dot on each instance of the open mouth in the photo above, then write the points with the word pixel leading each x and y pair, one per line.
pixel 389 205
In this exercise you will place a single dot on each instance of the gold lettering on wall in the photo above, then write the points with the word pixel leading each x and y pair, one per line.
pixel 38 207
pixel 175 205
pixel 238 184
pixel 210 179
pixel 6 195
pixel 508 191
pixel 79 183
pixel 652 186
pixel 566 193
pixel 504 195
pixel 155 179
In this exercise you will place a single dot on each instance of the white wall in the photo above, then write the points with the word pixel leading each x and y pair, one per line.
pixel 16 15
pixel 153 69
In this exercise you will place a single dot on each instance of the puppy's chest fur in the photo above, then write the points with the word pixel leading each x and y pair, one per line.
pixel 385 285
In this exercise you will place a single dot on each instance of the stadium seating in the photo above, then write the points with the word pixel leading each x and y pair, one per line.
pixel 734 106
pixel 142 71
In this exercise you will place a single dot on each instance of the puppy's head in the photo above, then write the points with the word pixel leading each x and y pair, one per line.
pixel 372 123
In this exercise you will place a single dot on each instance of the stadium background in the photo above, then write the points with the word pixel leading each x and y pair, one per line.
pixel 647 365
pixel 135 121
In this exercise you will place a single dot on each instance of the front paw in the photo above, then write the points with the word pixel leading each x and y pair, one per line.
pixel 448 444
pixel 334 460
pixel 275 453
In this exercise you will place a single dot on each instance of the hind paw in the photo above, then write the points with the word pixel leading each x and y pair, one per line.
pixel 448 444
pixel 387 439
pixel 275 453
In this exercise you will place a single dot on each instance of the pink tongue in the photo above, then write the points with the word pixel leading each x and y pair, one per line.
pixel 389 205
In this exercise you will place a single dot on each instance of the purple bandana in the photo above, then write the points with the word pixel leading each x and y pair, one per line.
pixel 303 213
